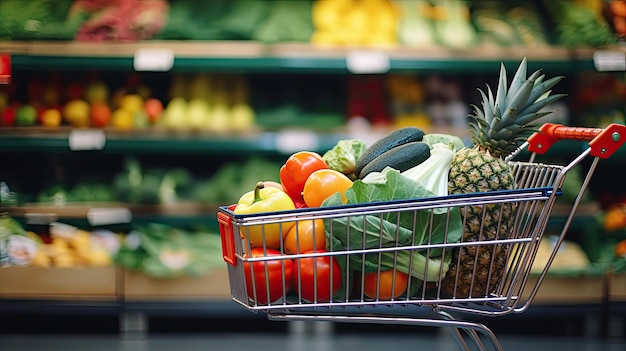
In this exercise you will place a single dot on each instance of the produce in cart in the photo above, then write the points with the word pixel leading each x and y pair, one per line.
pixel 499 127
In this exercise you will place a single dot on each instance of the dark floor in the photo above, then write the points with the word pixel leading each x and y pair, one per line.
pixel 73 333
pixel 290 342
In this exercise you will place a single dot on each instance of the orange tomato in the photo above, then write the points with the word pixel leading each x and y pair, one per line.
pixel 307 235
pixel 390 284
pixel 323 183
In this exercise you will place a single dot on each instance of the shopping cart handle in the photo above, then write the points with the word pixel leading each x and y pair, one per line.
pixel 603 142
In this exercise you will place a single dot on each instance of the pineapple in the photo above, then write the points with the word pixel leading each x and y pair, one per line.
pixel 497 128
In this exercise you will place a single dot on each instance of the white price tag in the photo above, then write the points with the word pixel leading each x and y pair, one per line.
pixel 289 141
pixel 105 216
pixel 157 60
pixel 40 218
pixel 86 139
pixel 364 62
pixel 607 61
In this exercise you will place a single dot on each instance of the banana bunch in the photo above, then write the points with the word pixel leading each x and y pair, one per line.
pixel 354 22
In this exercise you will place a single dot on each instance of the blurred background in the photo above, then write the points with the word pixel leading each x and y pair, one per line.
pixel 125 124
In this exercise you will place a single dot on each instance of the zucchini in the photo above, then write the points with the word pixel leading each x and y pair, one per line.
pixel 400 158
pixel 391 140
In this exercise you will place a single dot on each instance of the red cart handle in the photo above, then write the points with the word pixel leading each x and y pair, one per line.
pixel 603 142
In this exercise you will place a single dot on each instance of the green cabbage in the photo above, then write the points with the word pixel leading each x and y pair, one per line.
pixel 343 156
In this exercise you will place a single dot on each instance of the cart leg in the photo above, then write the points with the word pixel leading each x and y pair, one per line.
pixel 133 325
pixel 299 327
pixel 473 331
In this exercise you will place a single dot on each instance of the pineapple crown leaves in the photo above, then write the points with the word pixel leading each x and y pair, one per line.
pixel 502 123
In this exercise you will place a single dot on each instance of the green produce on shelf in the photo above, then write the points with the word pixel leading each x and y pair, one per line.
pixel 288 21
pixel 83 191
pixel 17 246
pixel 579 24
pixel 162 251
pixel 38 19
pixel 137 186
pixel 415 27
pixel 233 179
pixel 529 25
pixel 493 26
pixel 453 25
pixel 7 197
pixel 217 20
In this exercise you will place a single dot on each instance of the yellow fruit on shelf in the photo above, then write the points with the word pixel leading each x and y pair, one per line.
pixel 175 114
pixel 51 118
pixel 220 118
pixel 64 261
pixel 42 259
pixel 98 258
pixel 132 102
pixel 122 119
pixel 198 114
pixel 76 113
pixel 241 117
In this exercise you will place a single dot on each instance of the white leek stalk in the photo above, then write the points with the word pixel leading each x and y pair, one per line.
pixel 433 173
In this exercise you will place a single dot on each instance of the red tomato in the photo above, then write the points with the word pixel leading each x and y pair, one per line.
pixel 100 115
pixel 268 285
pixel 389 283
pixel 323 183
pixel 316 279
pixel 296 170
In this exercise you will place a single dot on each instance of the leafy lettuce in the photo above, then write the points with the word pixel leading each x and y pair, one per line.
pixel 394 229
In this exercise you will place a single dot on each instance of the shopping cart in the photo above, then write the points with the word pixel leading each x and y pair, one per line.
pixel 280 284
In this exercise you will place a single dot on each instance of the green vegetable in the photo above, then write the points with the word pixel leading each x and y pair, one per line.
pixel 455 30
pixel 38 20
pixel 391 140
pixel 433 138
pixel 9 226
pixel 161 251
pixel 415 28
pixel 400 158
pixel 344 155
pixel 7 197
pixel 288 21
pixel 394 229
pixel 578 25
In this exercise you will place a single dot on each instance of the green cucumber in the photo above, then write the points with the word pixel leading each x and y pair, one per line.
pixel 391 140
pixel 400 158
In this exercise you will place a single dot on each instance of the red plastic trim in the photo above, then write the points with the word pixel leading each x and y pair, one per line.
pixel 608 141
pixel 228 238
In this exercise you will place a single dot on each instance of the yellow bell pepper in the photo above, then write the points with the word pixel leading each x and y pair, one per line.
pixel 265 199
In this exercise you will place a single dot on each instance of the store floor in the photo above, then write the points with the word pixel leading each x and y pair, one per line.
pixel 43 332
pixel 292 336
pixel 273 342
